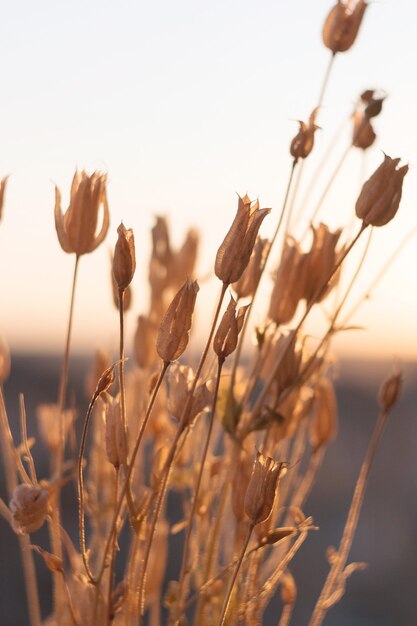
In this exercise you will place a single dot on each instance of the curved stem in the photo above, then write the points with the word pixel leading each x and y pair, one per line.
pixel 185 555
pixel 227 599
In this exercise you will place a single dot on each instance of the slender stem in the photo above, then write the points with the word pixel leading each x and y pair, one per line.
pixel 185 565
pixel 122 366
pixel 222 619
pixel 286 614
pixel 336 571
pixel 326 80
pixel 112 556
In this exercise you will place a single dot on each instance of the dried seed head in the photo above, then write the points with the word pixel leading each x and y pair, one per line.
pixel 225 339
pixel 320 263
pixel 3 183
pixel 105 381
pixel 288 588
pixel 260 494
pixel 342 24
pixel 241 478
pixel 380 197
pixel 249 280
pixel 289 283
pixel 127 293
pixel 303 142
pixel 4 361
pixel 363 132
pixel 114 435
pixel 390 391
pixel 180 380
pixel 324 422
pixel 144 342
pixel 124 259
pixel 372 101
pixel 76 229
pixel 173 334
pixel 29 508
pixel 235 251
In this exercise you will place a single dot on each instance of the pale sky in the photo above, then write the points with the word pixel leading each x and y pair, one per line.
pixel 184 104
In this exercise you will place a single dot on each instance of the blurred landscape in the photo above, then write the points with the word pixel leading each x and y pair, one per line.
pixel 382 595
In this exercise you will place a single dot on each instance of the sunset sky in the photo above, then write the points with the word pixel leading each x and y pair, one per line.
pixel 185 104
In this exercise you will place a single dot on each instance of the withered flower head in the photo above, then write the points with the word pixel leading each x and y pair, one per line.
pixel 260 494
pixel 319 263
pixel 225 339
pixel 173 334
pixel 342 24
pixel 180 380
pixel 29 508
pixel 303 142
pixel 235 251
pixel 372 101
pixel 249 280
pixel 380 197
pixel 3 182
pixel 390 391
pixel 114 435
pixel 127 293
pixel 363 132
pixel 76 229
pixel 324 422
pixel 289 282
pixel 124 259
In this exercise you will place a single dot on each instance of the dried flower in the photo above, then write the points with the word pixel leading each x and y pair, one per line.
pixel 249 280
pixel 260 495
pixel 320 263
pixel 114 436
pixel 380 197
pixel 235 251
pixel 29 508
pixel 173 334
pixel 76 229
pixel 144 342
pixel 363 132
pixel 303 142
pixel 124 260
pixel 3 183
pixel 342 24
pixel 390 390
pixel 48 422
pixel 225 339
pixel 289 283
pixel 324 422
pixel 180 380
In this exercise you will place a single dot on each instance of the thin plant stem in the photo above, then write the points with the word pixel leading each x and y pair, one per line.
pixel 286 614
pixel 197 486
pixel 112 555
pixel 326 78
pixel 226 602
pixel 342 554
pixel 23 428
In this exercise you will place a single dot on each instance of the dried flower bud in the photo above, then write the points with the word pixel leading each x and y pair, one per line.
pixel 342 25
pixel 324 422
pixel 303 142
pixel 105 381
pixel 320 263
pixel 225 339
pixel 100 363
pixel 380 197
pixel 372 102
pixel 114 435
pixel 289 283
pixel 4 361
pixel 29 508
pixel 235 251
pixel 3 183
pixel 175 327
pixel 127 293
pixel 76 229
pixel 124 260
pixel 363 133
pixel 390 390
pixel 288 588
pixel 144 342
pixel 249 280
pixel 260 495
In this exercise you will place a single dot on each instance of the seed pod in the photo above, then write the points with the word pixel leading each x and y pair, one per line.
pixel 363 133
pixel 235 251
pixel 324 422
pixel 303 142
pixel 342 25
pixel 390 391
pixel 319 263
pixel 289 282
pixel 4 361
pixel 76 229
pixel 124 259
pixel 241 478
pixel 3 183
pixel 225 339
pixel 114 435
pixel 260 494
pixel 175 327
pixel 144 342
pixel 185 259
pixel 180 380
pixel 29 508
pixel 380 197
pixel 249 280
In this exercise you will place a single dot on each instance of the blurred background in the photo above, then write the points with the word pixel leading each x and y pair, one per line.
pixel 186 104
